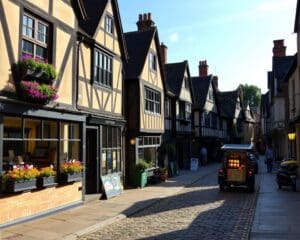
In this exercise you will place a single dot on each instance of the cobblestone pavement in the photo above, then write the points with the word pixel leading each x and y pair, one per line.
pixel 200 211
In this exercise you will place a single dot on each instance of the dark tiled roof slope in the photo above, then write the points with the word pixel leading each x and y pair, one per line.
pixel 94 10
pixel 138 44
pixel 200 86
pixel 174 73
pixel 227 102
pixel 281 66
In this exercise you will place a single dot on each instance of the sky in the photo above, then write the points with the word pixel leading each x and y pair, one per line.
pixel 234 36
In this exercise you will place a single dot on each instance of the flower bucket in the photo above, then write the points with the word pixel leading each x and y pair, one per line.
pixel 70 177
pixel 43 182
pixel 36 93
pixel 20 186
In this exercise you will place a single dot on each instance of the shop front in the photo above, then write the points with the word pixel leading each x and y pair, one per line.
pixel 41 152
pixel 104 152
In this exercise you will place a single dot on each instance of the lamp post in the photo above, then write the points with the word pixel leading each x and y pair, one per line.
pixel 291 137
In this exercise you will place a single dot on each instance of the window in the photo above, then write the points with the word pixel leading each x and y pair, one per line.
pixel 210 95
pixel 152 61
pixel 181 110
pixel 111 150
pixel 102 68
pixel 147 149
pixel 152 101
pixel 188 111
pixel 109 25
pixel 167 108
pixel 207 120
pixel 186 83
pixel 35 37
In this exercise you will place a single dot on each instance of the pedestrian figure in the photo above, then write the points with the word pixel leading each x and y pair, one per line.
pixel 203 155
pixel 269 154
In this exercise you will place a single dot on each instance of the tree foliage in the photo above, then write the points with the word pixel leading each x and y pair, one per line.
pixel 251 95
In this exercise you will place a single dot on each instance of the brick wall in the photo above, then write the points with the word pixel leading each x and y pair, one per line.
pixel 16 206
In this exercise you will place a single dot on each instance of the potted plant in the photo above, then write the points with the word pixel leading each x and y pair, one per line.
pixel 46 177
pixel 140 174
pixel 37 92
pixel 33 80
pixel 71 171
pixel 163 173
pixel 36 69
pixel 20 178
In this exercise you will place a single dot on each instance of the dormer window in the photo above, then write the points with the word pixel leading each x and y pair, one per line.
pixel 186 83
pixel 109 24
pixel 152 61
pixel 35 37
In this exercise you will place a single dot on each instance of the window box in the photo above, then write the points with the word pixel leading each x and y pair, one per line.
pixel 43 182
pixel 36 93
pixel 20 186
pixel 70 177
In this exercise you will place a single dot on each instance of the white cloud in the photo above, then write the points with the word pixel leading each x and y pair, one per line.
pixel 174 37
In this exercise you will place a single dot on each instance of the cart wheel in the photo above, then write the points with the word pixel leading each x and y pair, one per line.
pixel 222 187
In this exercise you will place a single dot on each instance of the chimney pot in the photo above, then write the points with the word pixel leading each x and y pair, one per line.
pixel 279 50
pixel 203 69
pixel 145 22
pixel 163 53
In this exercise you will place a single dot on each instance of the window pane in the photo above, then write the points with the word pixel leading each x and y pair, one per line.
pixel 27 47
pixel 33 128
pixel 103 162
pixel 104 137
pixel 75 134
pixel 69 150
pixel 11 149
pixel 42 32
pixel 12 127
pixel 64 130
pixel 50 130
pixel 41 52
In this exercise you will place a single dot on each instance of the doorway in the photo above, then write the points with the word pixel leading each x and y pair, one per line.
pixel 92 161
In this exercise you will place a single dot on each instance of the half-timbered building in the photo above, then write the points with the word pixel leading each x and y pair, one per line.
pixel 39 123
pixel 178 110
pixel 209 122
pixel 100 90
pixel 144 84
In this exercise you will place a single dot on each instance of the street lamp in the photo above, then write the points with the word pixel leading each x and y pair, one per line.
pixel 291 137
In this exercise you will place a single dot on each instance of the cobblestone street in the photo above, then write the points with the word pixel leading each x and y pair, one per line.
pixel 200 211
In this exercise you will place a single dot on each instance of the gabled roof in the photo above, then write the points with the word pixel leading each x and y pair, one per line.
pixel 138 44
pixel 281 66
pixel 94 10
pixel 227 102
pixel 292 68
pixel 174 73
pixel 200 86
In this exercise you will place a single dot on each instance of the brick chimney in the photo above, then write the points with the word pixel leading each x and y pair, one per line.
pixel 216 81
pixel 145 22
pixel 279 48
pixel 164 53
pixel 203 69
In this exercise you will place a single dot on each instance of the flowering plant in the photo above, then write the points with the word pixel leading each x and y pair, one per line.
pixel 21 173
pixel 34 91
pixel 47 171
pixel 71 166
pixel 36 69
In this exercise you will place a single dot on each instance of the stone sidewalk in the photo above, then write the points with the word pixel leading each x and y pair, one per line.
pixel 98 213
pixel 277 211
